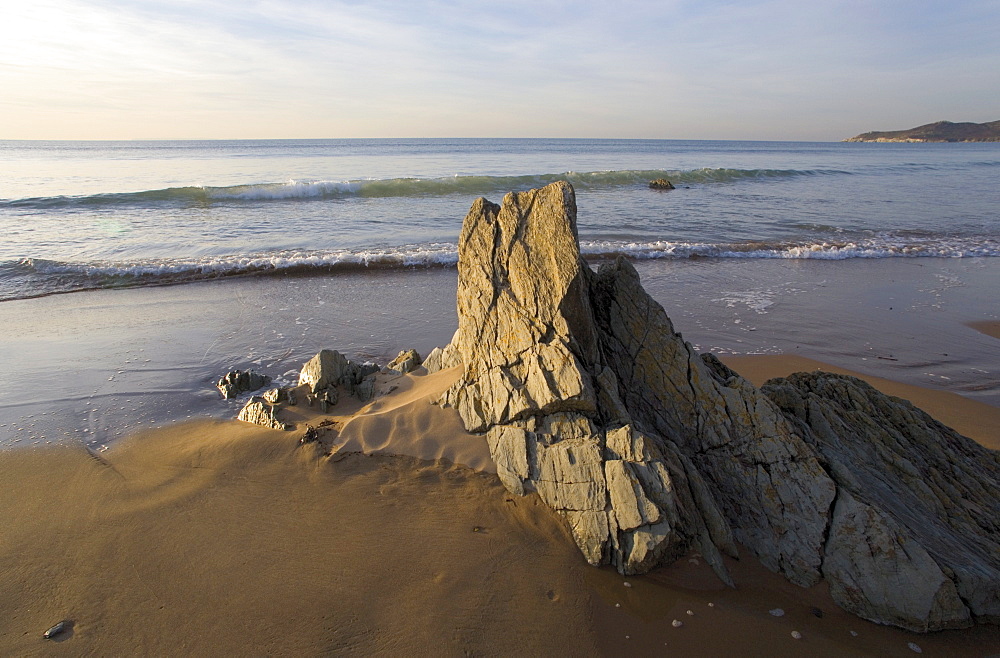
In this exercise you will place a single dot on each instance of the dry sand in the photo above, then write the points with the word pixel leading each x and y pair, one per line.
pixel 212 538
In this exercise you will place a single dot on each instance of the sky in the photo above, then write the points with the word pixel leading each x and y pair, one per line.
pixel 672 69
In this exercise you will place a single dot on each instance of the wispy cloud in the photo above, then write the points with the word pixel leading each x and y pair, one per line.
pixel 272 68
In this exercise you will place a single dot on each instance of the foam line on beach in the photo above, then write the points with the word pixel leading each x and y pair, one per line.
pixel 44 277
pixel 889 246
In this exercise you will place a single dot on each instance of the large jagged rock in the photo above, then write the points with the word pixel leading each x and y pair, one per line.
pixel 589 397
pixel 524 314
pixel 773 490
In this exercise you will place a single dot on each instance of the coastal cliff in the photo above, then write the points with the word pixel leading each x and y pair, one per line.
pixel 649 450
pixel 939 131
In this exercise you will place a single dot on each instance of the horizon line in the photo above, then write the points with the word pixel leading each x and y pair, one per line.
pixel 303 139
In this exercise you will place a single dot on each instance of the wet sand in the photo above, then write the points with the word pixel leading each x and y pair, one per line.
pixel 990 328
pixel 218 537
pixel 144 357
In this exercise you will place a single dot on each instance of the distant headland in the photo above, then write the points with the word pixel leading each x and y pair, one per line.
pixel 940 131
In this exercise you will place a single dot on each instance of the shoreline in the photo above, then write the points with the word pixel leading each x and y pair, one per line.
pixel 140 516
pixel 143 357
pixel 240 537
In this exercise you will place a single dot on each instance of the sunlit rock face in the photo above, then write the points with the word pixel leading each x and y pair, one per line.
pixel 589 397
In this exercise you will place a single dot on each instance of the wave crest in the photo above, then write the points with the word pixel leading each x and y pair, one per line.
pixel 293 190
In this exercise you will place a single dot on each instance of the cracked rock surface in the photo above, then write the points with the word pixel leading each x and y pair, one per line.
pixel 235 382
pixel 259 412
pixel 330 368
pixel 648 449
pixel 915 531
pixel 406 361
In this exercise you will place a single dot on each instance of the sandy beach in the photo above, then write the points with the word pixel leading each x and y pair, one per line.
pixel 594 281
pixel 212 537
pixel 139 512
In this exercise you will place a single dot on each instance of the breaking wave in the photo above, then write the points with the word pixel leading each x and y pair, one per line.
pixel 293 190
pixel 38 277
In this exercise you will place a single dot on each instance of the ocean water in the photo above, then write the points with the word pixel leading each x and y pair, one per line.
pixel 82 215
pixel 871 256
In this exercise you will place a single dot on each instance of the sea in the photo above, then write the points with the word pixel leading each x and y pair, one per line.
pixel 133 274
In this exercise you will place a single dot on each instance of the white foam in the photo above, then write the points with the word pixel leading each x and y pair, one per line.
pixel 755 300
pixel 291 189
pixel 407 255
pixel 879 247
pixel 82 275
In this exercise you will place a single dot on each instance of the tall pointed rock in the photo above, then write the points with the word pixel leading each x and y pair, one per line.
pixel 525 330
pixel 589 397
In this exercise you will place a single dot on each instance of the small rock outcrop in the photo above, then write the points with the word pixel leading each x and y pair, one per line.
pixel 241 381
pixel 259 412
pixel 588 396
pixel 330 368
pixel 276 395
pixel 442 359
pixel 406 361
pixel 661 184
